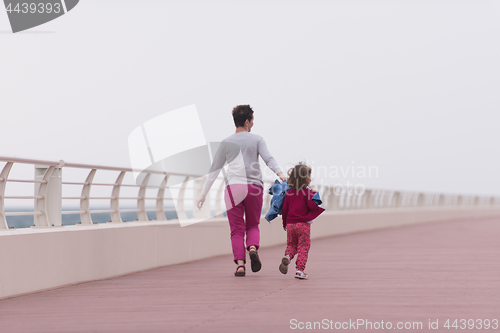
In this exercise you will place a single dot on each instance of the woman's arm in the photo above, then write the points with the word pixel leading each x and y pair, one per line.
pixel 269 159
pixel 217 164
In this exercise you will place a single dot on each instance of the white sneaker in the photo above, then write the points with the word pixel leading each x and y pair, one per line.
pixel 301 275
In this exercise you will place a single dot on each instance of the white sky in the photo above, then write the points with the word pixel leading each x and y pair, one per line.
pixel 411 87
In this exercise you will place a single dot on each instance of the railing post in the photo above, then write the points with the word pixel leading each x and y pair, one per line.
pixel 367 202
pixel 115 199
pixel 333 200
pixel 436 200
pixel 381 199
pixel 405 196
pixel 375 199
pixel 432 199
pixel 396 199
pixel 378 199
pixel 181 211
pixel 160 211
pixel 387 199
pixel 350 199
pixel 442 200
pixel 141 201
pixel 345 199
pixel 3 182
pixel 50 203
pixel 401 199
pixel 325 194
pixel 342 200
pixel 354 201
pixel 420 200
pixel 85 201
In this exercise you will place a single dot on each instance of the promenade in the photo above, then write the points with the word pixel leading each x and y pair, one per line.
pixel 434 271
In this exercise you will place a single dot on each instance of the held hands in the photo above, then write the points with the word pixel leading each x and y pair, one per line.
pixel 200 201
pixel 281 176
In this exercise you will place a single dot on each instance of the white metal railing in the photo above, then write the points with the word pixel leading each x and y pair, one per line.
pixel 49 192
pixel 48 196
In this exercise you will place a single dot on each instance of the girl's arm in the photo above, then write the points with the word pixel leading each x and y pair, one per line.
pixel 310 203
pixel 314 209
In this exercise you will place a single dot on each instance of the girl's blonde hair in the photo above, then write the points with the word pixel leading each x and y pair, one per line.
pixel 298 176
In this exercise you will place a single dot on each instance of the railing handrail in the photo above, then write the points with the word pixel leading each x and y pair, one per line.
pixel 45 196
pixel 62 163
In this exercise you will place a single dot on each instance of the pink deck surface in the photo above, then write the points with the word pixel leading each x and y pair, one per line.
pixel 437 271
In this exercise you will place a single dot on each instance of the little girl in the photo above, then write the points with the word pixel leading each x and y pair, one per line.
pixel 299 210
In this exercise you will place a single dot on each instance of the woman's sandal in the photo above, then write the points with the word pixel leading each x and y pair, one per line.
pixel 284 265
pixel 255 261
pixel 239 273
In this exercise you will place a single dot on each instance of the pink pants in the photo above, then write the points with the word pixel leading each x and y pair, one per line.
pixel 298 242
pixel 243 199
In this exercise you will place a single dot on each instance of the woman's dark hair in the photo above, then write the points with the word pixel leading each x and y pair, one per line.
pixel 297 176
pixel 241 113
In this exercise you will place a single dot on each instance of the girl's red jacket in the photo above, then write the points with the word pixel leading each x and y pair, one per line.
pixel 298 206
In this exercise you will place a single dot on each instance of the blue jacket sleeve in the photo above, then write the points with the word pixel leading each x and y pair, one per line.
pixel 278 191
pixel 273 207
pixel 317 199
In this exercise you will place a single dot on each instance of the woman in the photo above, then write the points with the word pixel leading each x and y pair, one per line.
pixel 244 190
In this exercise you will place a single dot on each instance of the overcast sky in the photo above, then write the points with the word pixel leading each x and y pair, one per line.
pixel 411 87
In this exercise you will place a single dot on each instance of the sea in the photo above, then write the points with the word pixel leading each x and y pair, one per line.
pixel 72 219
